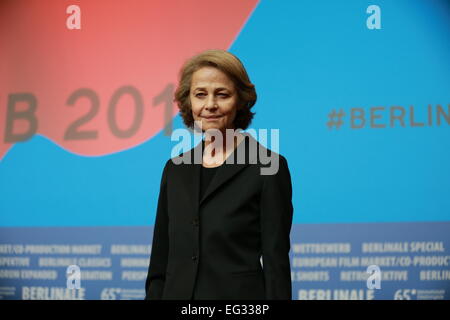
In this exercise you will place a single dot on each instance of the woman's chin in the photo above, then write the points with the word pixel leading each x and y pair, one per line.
pixel 207 126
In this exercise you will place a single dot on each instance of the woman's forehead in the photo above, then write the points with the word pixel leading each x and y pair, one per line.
pixel 208 76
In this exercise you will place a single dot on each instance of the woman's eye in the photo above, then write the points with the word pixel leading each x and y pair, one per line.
pixel 199 94
pixel 223 95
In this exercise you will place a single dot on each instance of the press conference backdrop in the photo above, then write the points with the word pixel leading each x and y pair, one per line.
pixel 360 93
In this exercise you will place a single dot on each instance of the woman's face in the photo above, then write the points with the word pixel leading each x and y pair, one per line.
pixel 213 99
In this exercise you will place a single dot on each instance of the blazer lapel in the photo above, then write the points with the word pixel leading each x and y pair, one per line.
pixel 223 174
pixel 225 171
pixel 193 177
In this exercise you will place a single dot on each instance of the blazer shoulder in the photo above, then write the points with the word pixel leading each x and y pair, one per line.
pixel 260 152
pixel 269 153
pixel 187 157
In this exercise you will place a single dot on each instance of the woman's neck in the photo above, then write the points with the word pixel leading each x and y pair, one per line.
pixel 215 152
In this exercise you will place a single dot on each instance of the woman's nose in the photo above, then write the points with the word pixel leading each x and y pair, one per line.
pixel 210 103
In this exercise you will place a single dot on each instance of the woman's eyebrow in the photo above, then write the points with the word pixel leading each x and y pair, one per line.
pixel 221 88
pixel 217 89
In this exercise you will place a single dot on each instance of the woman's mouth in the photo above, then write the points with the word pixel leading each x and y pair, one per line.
pixel 212 118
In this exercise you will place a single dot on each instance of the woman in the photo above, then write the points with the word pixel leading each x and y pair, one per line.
pixel 221 230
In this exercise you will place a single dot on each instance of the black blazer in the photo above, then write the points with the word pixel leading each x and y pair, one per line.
pixel 211 249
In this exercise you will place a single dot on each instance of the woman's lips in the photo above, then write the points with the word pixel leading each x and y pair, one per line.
pixel 212 118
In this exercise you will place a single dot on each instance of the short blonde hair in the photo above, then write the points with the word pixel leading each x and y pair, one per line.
pixel 234 69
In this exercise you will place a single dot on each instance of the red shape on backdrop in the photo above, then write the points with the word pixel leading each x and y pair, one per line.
pixel 127 55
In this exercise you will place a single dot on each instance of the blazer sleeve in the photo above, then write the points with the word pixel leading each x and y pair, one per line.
pixel 156 275
pixel 276 221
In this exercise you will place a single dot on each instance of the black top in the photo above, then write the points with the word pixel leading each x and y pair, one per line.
pixel 206 176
